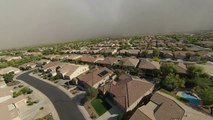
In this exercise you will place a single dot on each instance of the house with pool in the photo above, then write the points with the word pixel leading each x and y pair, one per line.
pixel 165 107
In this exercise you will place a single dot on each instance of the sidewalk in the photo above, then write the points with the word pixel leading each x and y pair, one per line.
pixel 76 98
pixel 44 97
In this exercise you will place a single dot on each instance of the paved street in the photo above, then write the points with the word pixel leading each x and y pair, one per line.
pixel 65 107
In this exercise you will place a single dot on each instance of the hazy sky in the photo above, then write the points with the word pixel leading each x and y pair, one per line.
pixel 33 22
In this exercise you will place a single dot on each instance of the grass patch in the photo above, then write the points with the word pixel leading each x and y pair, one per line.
pixel 100 106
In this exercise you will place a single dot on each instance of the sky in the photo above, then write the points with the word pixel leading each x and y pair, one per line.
pixel 36 22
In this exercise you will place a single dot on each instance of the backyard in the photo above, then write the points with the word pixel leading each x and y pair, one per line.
pixel 100 106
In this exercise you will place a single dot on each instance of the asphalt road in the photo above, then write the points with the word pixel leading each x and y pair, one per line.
pixel 65 107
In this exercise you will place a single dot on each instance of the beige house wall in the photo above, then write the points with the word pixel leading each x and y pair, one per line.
pixel 78 72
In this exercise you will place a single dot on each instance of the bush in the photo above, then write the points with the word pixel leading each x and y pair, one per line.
pixel 206 95
pixel 16 94
pixel 20 86
pixel 168 68
pixel 26 90
pixel 156 59
pixel 120 117
pixel 173 82
pixel 8 77
pixel 195 71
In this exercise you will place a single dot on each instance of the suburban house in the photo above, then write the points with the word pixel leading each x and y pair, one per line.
pixel 51 68
pixel 207 56
pixel 206 43
pixel 28 66
pixel 109 51
pixel 159 108
pixel 127 91
pixel 90 59
pixel 133 52
pixel 108 61
pixel 9 106
pixel 165 107
pixel 95 77
pixel 65 70
pixel 42 62
pixel 8 70
pixel 73 57
pixel 33 53
pixel 59 57
pixel 166 54
pixel 70 71
pixel 128 62
pixel 180 54
pixel 55 57
pixel 150 67
pixel 10 58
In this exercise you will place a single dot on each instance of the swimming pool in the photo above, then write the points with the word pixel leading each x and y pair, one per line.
pixel 191 98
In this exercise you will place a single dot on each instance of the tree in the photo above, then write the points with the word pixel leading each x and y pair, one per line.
pixel 156 52
pixel 8 77
pixel 144 53
pixel 195 71
pixel 91 93
pixel 198 82
pixel 156 59
pixel 47 52
pixel 206 95
pixel 168 68
pixel 135 71
pixel 172 82
pixel 203 82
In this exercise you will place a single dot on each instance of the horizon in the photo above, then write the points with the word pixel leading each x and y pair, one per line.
pixel 101 37
pixel 34 23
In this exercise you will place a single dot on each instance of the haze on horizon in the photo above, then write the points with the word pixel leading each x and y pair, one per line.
pixel 36 22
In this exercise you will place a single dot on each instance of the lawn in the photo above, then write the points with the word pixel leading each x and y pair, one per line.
pixel 100 106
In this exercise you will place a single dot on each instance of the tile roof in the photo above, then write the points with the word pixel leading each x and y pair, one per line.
pixel 94 76
pixel 159 108
pixel 165 104
pixel 126 93
pixel 8 70
pixel 149 64
pixel 108 61
pixel 89 59
pixel 132 62
pixel 52 65
pixel 181 68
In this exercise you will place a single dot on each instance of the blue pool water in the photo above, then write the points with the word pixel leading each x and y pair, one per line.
pixel 192 99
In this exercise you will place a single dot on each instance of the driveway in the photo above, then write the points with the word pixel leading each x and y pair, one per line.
pixel 65 107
